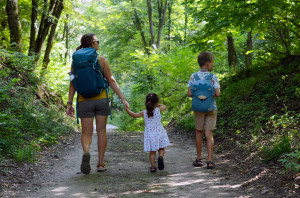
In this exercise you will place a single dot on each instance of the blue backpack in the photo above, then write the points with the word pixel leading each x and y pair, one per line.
pixel 89 80
pixel 203 94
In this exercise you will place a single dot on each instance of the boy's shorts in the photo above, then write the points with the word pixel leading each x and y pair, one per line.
pixel 91 108
pixel 205 120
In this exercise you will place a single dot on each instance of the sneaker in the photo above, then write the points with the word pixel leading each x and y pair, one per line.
pixel 160 163
pixel 85 163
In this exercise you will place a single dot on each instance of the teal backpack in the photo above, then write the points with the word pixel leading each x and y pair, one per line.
pixel 203 94
pixel 89 80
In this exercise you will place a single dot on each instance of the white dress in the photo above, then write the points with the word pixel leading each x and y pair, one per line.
pixel 155 136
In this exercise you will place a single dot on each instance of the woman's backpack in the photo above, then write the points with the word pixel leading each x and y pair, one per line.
pixel 203 94
pixel 89 78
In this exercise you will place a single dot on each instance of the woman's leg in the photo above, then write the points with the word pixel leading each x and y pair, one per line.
pixel 87 132
pixel 102 139
pixel 152 156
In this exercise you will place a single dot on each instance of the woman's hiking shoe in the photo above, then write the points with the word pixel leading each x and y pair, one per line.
pixel 101 167
pixel 160 163
pixel 153 169
pixel 210 165
pixel 85 163
pixel 198 163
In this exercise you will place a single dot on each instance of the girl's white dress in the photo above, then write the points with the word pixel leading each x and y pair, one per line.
pixel 155 136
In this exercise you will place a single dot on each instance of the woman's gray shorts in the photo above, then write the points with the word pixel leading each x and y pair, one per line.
pixel 91 108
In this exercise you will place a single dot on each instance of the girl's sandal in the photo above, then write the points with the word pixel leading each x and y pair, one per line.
pixel 101 167
pixel 153 169
pixel 198 163
pixel 210 165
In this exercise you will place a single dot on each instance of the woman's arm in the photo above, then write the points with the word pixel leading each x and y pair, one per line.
pixel 111 81
pixel 134 115
pixel 70 110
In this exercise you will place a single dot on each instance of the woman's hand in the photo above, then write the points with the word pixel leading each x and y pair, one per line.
pixel 70 111
pixel 125 103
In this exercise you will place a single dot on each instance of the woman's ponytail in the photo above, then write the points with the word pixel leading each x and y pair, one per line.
pixel 151 100
pixel 79 47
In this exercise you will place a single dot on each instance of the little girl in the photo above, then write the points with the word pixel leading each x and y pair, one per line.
pixel 155 136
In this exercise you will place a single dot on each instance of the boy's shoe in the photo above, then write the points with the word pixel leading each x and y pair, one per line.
pixel 160 163
pixel 153 169
pixel 85 163
pixel 197 163
pixel 210 165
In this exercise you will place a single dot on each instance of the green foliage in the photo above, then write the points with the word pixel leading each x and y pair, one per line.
pixel 26 122
pixel 291 161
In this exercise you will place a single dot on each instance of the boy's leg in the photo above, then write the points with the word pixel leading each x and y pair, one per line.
pixel 199 141
pixel 210 144
pixel 199 125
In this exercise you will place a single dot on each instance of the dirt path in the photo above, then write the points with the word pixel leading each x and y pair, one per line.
pixel 128 173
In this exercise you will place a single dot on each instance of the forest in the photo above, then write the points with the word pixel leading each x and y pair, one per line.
pixel 152 46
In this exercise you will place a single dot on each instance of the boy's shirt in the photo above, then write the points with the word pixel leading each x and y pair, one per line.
pixel 202 75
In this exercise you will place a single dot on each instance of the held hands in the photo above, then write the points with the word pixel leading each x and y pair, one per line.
pixel 125 103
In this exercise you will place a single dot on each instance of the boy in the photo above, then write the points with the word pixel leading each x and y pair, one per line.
pixel 205 120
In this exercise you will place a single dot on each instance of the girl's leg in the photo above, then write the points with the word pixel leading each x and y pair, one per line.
pixel 161 152
pixel 152 156
pixel 102 139
pixel 87 132
pixel 210 144
pixel 199 142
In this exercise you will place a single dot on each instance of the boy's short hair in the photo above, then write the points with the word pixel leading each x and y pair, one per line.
pixel 205 57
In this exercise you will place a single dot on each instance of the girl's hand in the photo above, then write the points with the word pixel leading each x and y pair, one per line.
pixel 70 111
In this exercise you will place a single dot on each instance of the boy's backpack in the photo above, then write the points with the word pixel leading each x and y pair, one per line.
pixel 203 94
pixel 89 80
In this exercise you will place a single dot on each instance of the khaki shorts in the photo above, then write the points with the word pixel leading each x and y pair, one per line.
pixel 205 120
pixel 91 108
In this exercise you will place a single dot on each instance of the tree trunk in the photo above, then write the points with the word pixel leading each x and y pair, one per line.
pixel 14 24
pixel 54 11
pixel 232 57
pixel 139 26
pixel 162 9
pixel 56 14
pixel 170 20
pixel 248 56
pixel 185 20
pixel 149 6
pixel 34 14
pixel 66 32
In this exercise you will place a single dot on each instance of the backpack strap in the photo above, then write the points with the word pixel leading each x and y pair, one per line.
pixel 210 76
pixel 77 108
pixel 106 87
pixel 196 76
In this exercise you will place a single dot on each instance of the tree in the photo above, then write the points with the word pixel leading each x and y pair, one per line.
pixel 51 35
pixel 14 24
pixel 232 57
pixel 34 15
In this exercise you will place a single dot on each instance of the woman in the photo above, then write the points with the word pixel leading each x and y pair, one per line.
pixel 91 108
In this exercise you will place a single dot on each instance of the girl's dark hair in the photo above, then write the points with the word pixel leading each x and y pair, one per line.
pixel 86 41
pixel 151 100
